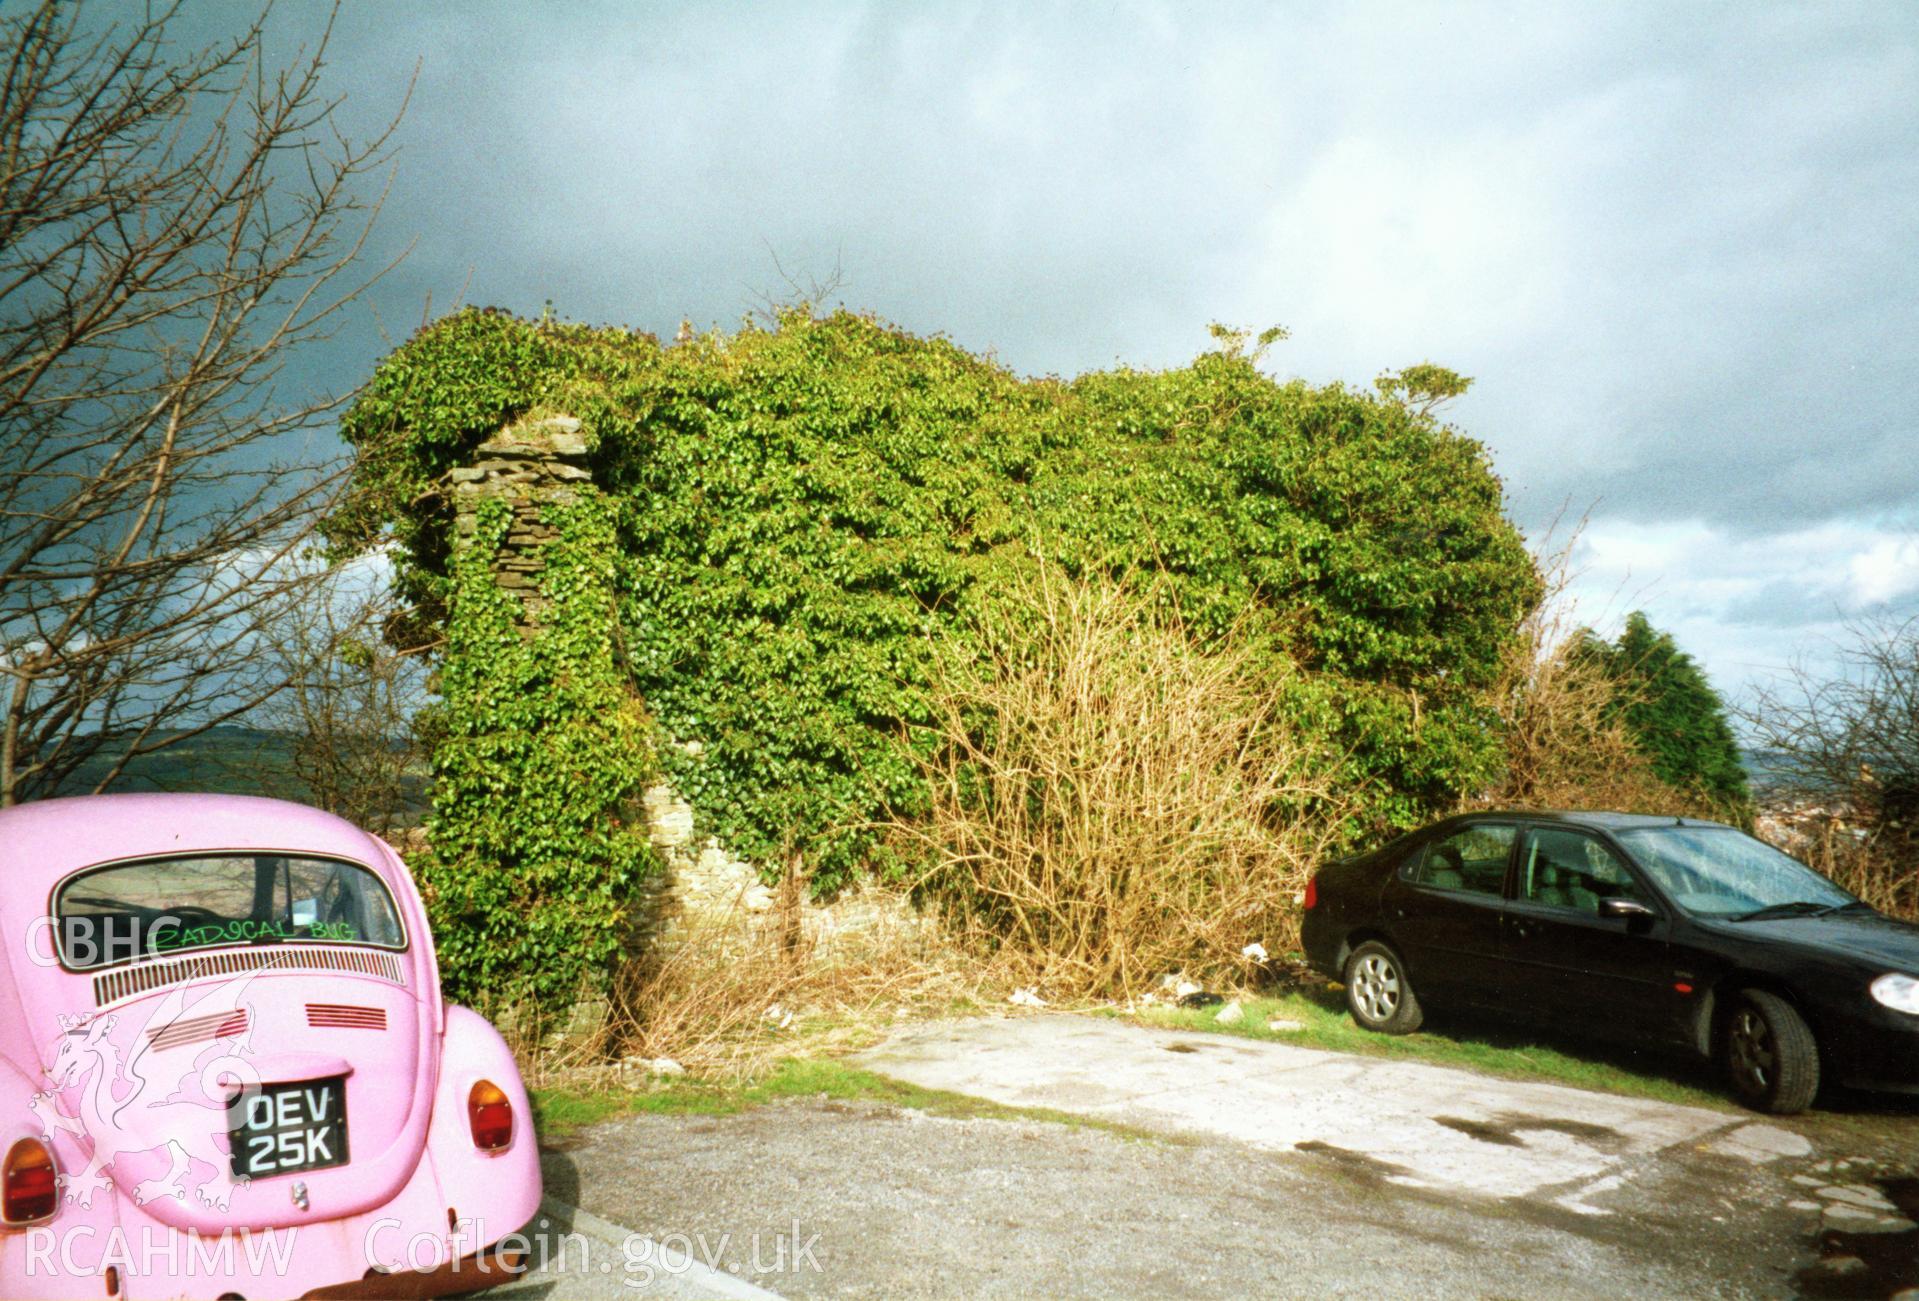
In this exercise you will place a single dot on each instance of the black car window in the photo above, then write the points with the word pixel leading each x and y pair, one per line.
pixel 1472 858
pixel 1570 869
pixel 1718 872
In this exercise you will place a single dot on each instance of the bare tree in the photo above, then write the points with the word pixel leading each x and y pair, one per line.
pixel 1559 712
pixel 1852 738
pixel 350 701
pixel 1844 747
pixel 172 225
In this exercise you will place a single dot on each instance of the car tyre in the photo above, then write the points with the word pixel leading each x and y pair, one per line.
pixel 1378 994
pixel 1768 1053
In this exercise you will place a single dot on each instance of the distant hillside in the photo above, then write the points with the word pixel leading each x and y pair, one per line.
pixel 228 760
pixel 221 760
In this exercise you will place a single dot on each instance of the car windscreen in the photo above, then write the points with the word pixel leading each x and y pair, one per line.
pixel 159 906
pixel 1719 872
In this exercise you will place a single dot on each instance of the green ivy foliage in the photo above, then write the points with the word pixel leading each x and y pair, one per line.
pixel 449 388
pixel 802 509
pixel 541 753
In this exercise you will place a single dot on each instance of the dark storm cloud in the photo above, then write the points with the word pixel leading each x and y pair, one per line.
pixel 1675 245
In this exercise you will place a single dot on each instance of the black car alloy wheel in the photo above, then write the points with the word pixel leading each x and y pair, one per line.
pixel 1377 991
pixel 1770 1056
pixel 1755 1059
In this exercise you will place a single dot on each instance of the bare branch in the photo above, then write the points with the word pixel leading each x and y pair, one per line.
pixel 173 223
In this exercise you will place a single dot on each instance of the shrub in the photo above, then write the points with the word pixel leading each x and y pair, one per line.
pixel 1844 752
pixel 1568 742
pixel 1109 800
pixel 1671 711
pixel 1881 869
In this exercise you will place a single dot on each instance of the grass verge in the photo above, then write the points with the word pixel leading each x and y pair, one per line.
pixel 561 1110
pixel 1325 1024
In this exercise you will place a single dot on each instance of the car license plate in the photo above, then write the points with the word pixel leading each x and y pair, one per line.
pixel 288 1127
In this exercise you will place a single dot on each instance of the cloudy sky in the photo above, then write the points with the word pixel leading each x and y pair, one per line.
pixel 1677 246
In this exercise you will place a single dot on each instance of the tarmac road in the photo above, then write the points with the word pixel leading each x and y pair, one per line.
pixel 1243 1167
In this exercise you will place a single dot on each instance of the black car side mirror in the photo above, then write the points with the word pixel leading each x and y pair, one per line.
pixel 1629 909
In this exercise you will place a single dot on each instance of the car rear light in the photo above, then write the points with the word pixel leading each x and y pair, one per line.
pixel 490 1116
pixel 28 1189
pixel 1311 900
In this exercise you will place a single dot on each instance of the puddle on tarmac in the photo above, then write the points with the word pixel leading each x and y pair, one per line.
pixel 1508 1129
pixel 1357 1162
pixel 1482 1131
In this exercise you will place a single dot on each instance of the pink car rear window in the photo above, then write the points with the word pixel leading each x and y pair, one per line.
pixel 160 906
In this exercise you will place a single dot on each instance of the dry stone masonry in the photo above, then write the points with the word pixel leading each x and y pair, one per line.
pixel 527 465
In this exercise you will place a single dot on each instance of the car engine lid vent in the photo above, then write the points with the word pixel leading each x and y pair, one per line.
pixel 200 1029
pixel 345 1016
pixel 144 977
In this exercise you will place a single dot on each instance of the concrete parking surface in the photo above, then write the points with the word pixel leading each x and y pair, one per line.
pixel 1215 1165
pixel 1415 1125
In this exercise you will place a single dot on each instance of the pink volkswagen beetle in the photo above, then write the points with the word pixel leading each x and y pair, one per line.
pixel 226 1068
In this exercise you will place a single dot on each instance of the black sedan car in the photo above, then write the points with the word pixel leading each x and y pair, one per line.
pixel 1651 929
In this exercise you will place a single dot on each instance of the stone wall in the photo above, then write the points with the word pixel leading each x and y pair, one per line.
pixel 705 883
pixel 543 460
pixel 527 465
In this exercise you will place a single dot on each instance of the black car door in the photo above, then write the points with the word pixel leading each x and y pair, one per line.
pixel 1571 961
pixel 1443 907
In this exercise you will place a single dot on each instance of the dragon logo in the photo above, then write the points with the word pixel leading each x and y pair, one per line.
pixel 135 1098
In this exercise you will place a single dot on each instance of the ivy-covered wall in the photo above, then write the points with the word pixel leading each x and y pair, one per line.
pixel 543 746
pixel 786 517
